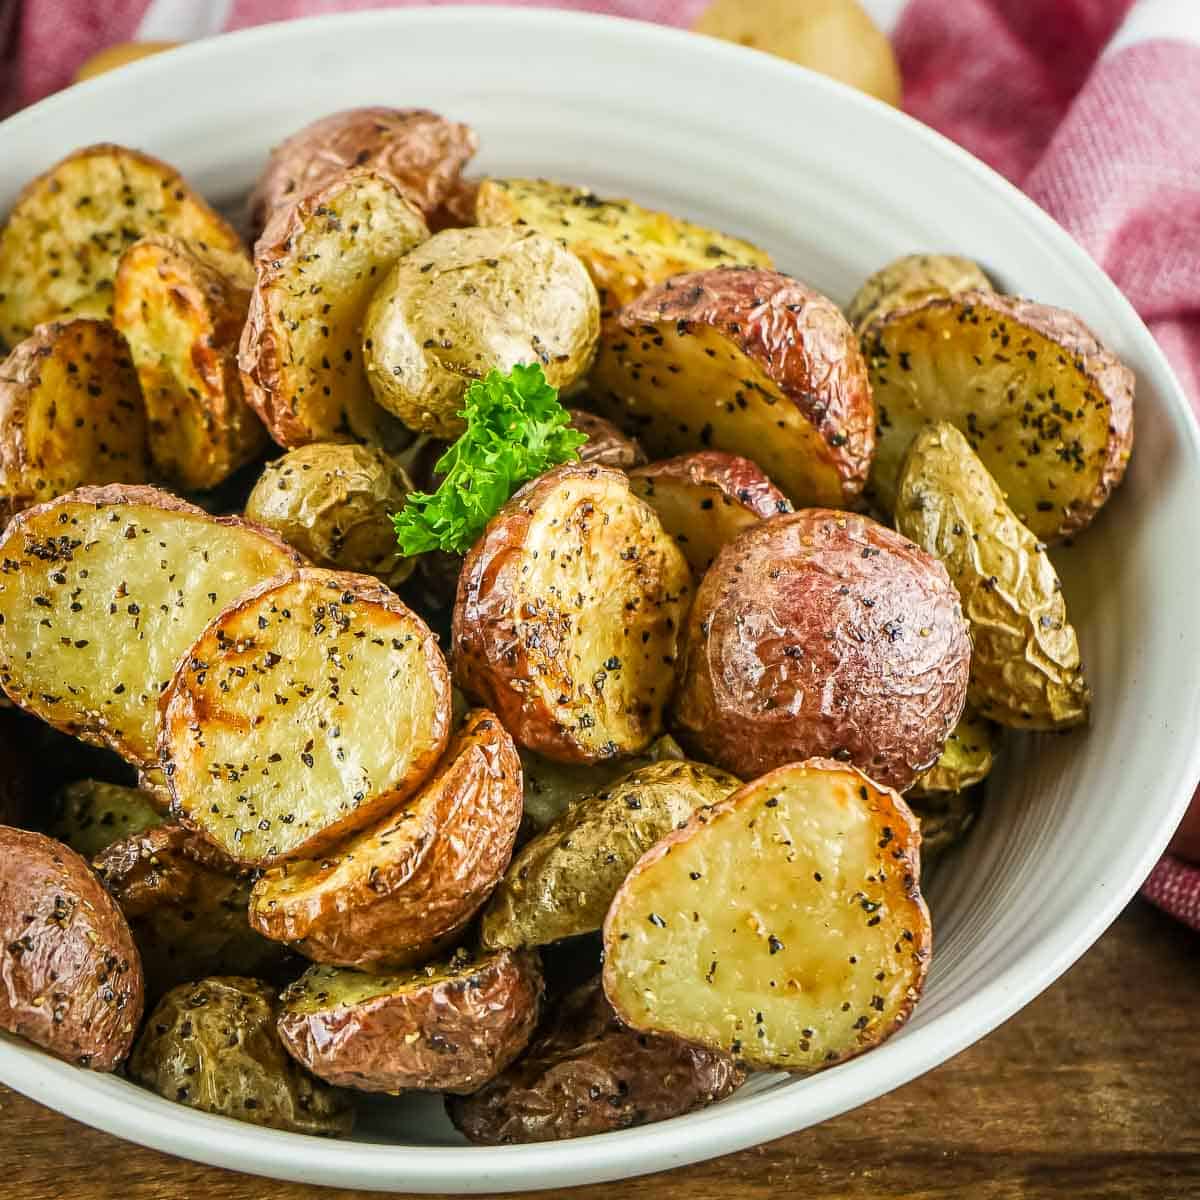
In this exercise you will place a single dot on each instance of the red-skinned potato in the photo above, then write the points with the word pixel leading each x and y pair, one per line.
pixel 606 445
pixel 823 634
pixel 748 361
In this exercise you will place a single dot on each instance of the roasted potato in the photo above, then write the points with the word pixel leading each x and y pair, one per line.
pixel 89 815
pixel 181 308
pixel 334 503
pixel 945 819
pixel 212 1045
pixel 1025 666
pixel 397 892
pixel 912 280
pixel 705 499
pixel 422 153
pixel 606 445
pixel 626 248
pixel 71 413
pixel 448 1026
pixel 747 361
pixel 784 926
pixel 966 760
pixel 587 1073
pixel 63 238
pixel 470 301
pixel 1046 407
pixel 70 978
pixel 561 883
pixel 568 616
pixel 102 591
pixel 317 262
pixel 312 706
pixel 823 634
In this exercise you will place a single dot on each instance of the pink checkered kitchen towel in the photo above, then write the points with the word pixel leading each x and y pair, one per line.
pixel 1092 106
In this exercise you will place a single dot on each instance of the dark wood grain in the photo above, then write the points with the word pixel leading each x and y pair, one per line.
pixel 1092 1091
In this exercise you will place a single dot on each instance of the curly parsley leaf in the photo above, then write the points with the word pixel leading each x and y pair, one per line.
pixel 516 430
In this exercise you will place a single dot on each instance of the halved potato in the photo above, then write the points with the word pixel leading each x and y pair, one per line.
pixel 784 926
pixel 318 262
pixel 311 706
pixel 625 247
pixel 568 616
pixel 89 815
pixel 181 308
pixel 966 760
pixel 62 241
pixel 705 499
pixel 1025 666
pixel 448 1026
pixel 1046 407
pixel 606 445
pixel 911 280
pixel 561 883
pixel 71 413
pixel 747 361
pixel 396 892
pixel 102 591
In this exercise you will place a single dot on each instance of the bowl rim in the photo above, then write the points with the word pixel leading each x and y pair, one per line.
pixel 174 1129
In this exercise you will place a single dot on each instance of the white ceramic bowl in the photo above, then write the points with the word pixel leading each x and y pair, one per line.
pixel 834 185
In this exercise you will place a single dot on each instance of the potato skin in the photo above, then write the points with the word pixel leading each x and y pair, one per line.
pixel 823 634
pixel 606 445
pixel 448 1026
pixel 586 1073
pixel 965 761
pixel 70 976
pixel 910 280
pixel 89 815
pixel 421 152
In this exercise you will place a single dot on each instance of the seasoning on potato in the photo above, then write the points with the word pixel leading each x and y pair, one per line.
pixel 911 280
pixel 966 760
pixel 784 926
pixel 825 634
pixel 1026 670
pixel 89 815
pixel 748 361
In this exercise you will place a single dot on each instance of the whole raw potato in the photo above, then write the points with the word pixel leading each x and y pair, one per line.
pixel 823 634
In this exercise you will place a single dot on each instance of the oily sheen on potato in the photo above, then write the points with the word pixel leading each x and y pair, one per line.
pixel 101 593
pixel 568 616
pixel 784 926
pixel 312 705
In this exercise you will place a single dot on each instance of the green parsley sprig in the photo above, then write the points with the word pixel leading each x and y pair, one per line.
pixel 516 429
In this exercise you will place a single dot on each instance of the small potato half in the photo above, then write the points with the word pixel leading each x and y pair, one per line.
pixel 965 761
pixel 396 892
pixel 606 445
pixel 447 1026
pixel 89 815
pixel 568 616
pixel 784 926
pixel 469 301
pixel 311 706
pixel 748 361
pixel 71 413
pixel 911 280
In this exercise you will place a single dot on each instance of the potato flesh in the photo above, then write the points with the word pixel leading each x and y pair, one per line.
pixel 100 600
pixel 784 926
pixel 910 280
pixel 308 709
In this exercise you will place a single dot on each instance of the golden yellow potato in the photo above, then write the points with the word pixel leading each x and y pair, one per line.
pixel 112 57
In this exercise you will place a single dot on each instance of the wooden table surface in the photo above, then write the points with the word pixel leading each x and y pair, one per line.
pixel 1092 1091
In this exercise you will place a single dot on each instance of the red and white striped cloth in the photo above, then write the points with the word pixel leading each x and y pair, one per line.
pixel 1092 106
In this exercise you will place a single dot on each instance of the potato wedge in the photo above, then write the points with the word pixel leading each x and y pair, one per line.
pixel 422 153
pixel 1046 407
pixel 71 978
pixel 626 248
pixel 561 883
pixel 568 616
pixel 747 361
pixel 587 1073
pixel 470 301
pixel 212 1045
pixel 395 893
pixel 318 262
pixel 784 926
pixel 181 308
pixel 1025 666
pixel 606 445
pixel 448 1026
pixel 101 593
pixel 945 819
pixel 89 815
pixel 912 280
pixel 705 499
pixel 71 413
pixel 309 708
pixel 61 243
pixel 965 761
